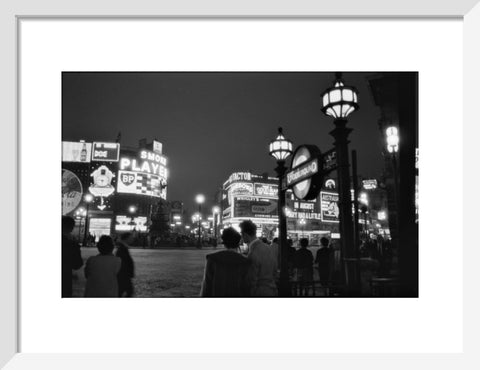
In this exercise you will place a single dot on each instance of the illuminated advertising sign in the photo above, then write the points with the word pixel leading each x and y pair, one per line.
pixel 330 184
pixel 76 151
pixel 241 188
pixel 148 162
pixel 265 190
pixel 305 176
pixel 304 206
pixel 145 175
pixel 99 226
pixel 369 184
pixel 125 223
pixel 140 183
pixel 239 176
pixel 329 207
pixel 255 208
pixel 102 184
pixel 72 191
pixel 106 152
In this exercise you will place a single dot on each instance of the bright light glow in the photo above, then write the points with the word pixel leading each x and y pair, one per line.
pixel 280 148
pixel 172 225
pixel 88 198
pixel 210 218
pixel 187 227
pixel 178 223
pixel 339 101
pixel 200 198
pixel 382 215
pixel 392 139
pixel 132 209
pixel 216 209
pixel 176 217
pixel 363 198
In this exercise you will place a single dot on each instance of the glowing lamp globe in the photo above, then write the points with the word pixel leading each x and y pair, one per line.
pixel 280 148
pixel 392 139
pixel 340 101
pixel 200 198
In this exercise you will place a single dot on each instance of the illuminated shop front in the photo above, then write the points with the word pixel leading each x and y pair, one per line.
pixel 125 184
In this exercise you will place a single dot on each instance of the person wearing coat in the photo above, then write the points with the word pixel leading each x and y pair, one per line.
pixel 101 270
pixel 127 271
pixel 263 268
pixel 226 271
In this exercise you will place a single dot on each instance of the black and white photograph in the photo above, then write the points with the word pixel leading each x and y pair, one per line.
pixel 239 184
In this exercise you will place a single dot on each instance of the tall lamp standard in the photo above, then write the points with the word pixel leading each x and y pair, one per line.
pixel 200 198
pixel 338 102
pixel 88 198
pixel 392 147
pixel 215 211
pixel 280 149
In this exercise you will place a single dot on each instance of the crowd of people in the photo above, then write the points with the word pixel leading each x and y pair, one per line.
pixel 251 271
pixel 231 273
pixel 107 274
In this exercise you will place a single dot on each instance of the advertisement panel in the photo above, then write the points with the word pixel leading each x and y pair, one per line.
pixel 76 151
pixel 144 175
pixel 106 152
pixel 140 183
pixel 101 185
pixel 329 207
pixel 241 188
pixel 99 226
pixel 125 223
pixel 72 191
pixel 265 190
pixel 255 207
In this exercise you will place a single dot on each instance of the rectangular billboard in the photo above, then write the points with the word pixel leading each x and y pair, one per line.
pixel 255 207
pixel 73 151
pixel 329 207
pixel 140 183
pixel 265 190
pixel 106 152
pixel 126 223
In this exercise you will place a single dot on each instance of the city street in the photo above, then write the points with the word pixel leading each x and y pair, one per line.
pixel 159 273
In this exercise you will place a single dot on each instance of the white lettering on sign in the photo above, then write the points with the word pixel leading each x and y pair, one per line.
pixel 100 154
pixel 240 176
pixel 149 162
pixel 302 172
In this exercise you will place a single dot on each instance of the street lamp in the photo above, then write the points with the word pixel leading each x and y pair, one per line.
pixel 303 222
pixel 79 215
pixel 280 149
pixel 392 147
pixel 339 102
pixel 200 198
pixel 88 198
pixel 215 211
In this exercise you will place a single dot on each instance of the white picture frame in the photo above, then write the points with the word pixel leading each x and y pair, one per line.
pixel 13 11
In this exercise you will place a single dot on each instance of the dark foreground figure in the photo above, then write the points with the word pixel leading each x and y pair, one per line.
pixel 127 270
pixel 226 272
pixel 71 256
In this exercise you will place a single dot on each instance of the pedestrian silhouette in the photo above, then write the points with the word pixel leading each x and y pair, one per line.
pixel 101 270
pixel 322 259
pixel 127 271
pixel 71 255
pixel 226 272
pixel 263 268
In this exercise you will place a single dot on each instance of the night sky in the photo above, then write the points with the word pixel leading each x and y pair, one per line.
pixel 213 124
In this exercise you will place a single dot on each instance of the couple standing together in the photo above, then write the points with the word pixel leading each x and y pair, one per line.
pixel 231 274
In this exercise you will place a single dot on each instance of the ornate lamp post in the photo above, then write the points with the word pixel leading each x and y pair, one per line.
pixel 340 101
pixel 215 211
pixel 392 147
pixel 281 149
pixel 88 198
pixel 200 198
